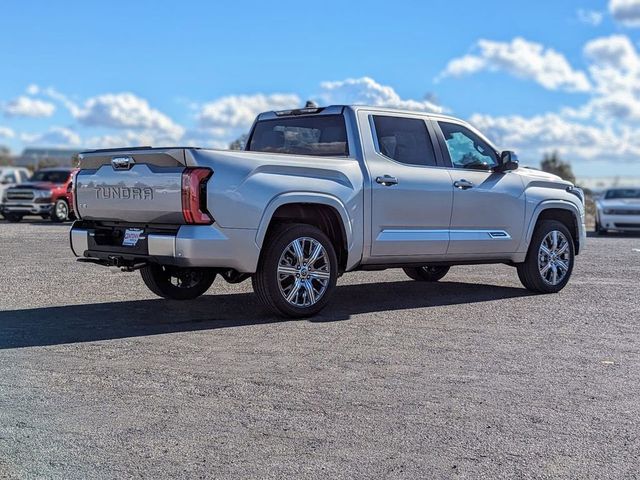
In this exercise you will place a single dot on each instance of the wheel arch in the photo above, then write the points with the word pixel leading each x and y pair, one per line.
pixel 321 210
pixel 565 212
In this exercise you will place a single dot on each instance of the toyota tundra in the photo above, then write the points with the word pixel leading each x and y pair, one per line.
pixel 318 192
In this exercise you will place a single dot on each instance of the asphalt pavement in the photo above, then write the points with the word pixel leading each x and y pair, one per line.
pixel 473 377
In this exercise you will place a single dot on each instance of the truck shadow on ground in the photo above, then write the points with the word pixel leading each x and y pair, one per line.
pixel 107 321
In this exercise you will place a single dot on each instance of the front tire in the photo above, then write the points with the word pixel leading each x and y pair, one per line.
pixel 599 229
pixel 549 262
pixel 428 273
pixel 60 212
pixel 297 272
pixel 177 283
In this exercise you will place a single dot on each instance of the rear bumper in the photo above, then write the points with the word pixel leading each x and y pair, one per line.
pixel 27 208
pixel 191 246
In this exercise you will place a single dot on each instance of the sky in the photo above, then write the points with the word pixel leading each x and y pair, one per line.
pixel 534 76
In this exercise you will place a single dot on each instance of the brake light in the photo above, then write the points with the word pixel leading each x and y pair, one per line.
pixel 194 196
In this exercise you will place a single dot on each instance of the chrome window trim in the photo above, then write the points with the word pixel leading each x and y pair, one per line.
pixel 376 144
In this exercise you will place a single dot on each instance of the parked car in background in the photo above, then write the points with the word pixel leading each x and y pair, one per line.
pixel 9 177
pixel 48 194
pixel 319 192
pixel 618 209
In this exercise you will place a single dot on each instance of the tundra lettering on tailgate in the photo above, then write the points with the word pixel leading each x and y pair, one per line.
pixel 106 192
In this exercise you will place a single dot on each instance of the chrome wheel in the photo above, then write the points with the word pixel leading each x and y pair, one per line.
pixel 304 272
pixel 554 257
pixel 62 211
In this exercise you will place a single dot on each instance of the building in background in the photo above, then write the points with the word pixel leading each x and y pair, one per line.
pixel 46 157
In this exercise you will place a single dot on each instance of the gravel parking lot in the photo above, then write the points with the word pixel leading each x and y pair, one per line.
pixel 470 378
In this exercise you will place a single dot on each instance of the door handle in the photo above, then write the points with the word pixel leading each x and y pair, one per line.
pixel 387 180
pixel 463 184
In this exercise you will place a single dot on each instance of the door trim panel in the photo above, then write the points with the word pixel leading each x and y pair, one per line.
pixel 479 235
pixel 412 235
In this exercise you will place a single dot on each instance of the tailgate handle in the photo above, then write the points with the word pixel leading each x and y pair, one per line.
pixel 122 162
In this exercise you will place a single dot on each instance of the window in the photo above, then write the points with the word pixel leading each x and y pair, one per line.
pixel 53 176
pixel 466 149
pixel 321 135
pixel 405 140
pixel 9 178
pixel 24 176
pixel 623 193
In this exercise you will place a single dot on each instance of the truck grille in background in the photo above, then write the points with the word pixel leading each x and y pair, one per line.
pixel 20 195
pixel 627 225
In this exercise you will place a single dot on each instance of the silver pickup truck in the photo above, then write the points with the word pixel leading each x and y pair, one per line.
pixel 318 192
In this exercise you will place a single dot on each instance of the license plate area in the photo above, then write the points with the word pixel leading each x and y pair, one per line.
pixel 132 236
pixel 132 240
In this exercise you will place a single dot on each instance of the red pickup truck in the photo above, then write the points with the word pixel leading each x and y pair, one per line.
pixel 47 194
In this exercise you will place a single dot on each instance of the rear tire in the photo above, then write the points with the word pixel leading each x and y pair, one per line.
pixel 428 273
pixel 297 271
pixel 177 283
pixel 549 262
pixel 13 217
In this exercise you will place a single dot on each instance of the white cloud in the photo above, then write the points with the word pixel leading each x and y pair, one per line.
pixel 33 89
pixel 615 70
pixel 126 138
pixel 627 12
pixel 6 132
pixel 590 17
pixel 239 111
pixel 367 91
pixel 126 110
pixel 28 107
pixel 615 51
pixel 607 126
pixel 532 137
pixel 55 137
pixel 465 65
pixel 523 59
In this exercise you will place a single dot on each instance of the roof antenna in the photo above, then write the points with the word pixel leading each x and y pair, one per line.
pixel 310 104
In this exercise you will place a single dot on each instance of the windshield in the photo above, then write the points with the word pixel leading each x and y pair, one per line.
pixel 53 176
pixel 321 135
pixel 623 193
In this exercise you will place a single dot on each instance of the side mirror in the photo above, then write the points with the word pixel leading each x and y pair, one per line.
pixel 508 161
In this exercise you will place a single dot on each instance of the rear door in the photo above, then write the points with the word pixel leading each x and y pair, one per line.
pixel 411 195
pixel 488 207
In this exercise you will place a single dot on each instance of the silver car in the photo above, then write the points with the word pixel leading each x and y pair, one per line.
pixel 319 192
pixel 618 209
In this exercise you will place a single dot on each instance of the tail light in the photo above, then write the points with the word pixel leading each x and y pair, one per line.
pixel 194 196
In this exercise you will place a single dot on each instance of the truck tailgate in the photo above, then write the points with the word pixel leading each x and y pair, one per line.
pixel 137 185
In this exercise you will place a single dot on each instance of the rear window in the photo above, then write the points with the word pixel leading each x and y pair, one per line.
pixel 53 176
pixel 320 135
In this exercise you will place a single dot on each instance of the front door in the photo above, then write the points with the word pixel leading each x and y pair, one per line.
pixel 488 207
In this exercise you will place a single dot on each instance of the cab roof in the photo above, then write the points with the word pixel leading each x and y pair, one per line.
pixel 338 109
